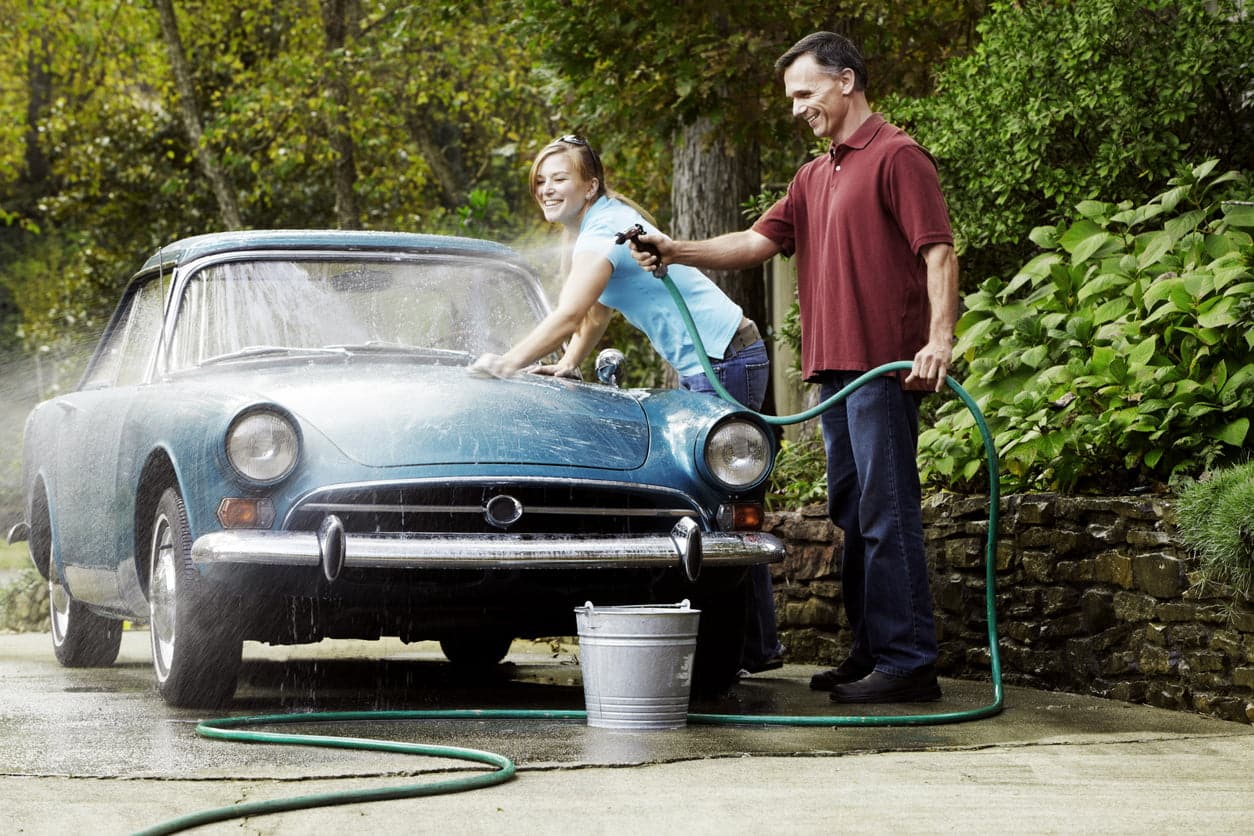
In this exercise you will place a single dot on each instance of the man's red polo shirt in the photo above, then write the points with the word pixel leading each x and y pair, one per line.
pixel 857 219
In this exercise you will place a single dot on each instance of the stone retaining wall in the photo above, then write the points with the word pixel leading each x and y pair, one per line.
pixel 1093 596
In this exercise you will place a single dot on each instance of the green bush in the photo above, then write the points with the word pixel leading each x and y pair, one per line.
pixel 1120 357
pixel 800 474
pixel 1063 101
pixel 1216 522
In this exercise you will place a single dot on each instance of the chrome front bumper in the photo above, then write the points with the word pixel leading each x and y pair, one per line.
pixel 340 550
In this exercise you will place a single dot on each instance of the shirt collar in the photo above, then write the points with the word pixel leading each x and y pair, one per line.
pixel 860 138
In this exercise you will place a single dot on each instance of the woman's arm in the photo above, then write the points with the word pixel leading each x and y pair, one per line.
pixel 589 274
pixel 585 340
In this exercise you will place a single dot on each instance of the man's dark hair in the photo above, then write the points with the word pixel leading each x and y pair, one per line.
pixel 831 52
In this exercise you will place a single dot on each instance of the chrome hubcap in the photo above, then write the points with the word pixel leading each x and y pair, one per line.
pixel 162 590
pixel 59 606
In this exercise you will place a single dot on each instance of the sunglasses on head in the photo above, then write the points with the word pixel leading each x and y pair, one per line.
pixel 572 139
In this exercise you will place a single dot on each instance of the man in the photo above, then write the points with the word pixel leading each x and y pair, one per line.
pixel 877 282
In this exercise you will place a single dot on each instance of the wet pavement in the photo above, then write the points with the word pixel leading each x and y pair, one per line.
pixel 97 751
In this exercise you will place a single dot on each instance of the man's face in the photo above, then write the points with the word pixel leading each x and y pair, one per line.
pixel 818 98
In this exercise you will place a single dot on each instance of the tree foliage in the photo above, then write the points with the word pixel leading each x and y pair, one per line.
pixel 434 103
pixel 1087 99
pixel 631 75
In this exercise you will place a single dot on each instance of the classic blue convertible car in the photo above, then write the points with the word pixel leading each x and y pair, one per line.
pixel 278 439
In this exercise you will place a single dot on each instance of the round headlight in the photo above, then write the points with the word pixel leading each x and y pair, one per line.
pixel 738 454
pixel 263 446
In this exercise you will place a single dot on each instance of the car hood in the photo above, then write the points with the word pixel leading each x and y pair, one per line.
pixel 391 414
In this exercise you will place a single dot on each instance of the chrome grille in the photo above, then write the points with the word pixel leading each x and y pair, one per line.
pixel 547 507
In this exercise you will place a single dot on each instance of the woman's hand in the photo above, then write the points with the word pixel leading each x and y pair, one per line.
pixel 558 370
pixel 491 365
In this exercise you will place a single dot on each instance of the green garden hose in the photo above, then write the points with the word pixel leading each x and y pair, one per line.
pixel 239 728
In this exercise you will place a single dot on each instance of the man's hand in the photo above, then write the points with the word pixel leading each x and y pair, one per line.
pixel 931 365
pixel 640 246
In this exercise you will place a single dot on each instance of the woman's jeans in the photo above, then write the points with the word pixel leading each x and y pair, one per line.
pixel 873 495
pixel 744 375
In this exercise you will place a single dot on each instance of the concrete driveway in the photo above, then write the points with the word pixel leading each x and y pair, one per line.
pixel 96 751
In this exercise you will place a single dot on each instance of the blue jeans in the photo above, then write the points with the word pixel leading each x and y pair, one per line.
pixel 871 440
pixel 744 375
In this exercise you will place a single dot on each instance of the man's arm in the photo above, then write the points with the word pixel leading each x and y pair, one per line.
pixel 931 363
pixel 733 251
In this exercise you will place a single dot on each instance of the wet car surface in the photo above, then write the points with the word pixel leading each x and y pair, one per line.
pixel 279 439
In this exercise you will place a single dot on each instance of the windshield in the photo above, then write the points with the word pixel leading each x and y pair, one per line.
pixel 442 304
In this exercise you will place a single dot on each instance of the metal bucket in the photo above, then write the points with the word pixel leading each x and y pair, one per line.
pixel 637 664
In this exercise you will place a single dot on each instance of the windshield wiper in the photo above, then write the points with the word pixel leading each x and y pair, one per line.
pixel 381 347
pixel 254 351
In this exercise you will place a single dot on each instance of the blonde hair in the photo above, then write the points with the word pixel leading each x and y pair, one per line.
pixel 587 164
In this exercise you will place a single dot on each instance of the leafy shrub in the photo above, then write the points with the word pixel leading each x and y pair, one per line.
pixel 1123 355
pixel 800 474
pixel 1216 521
pixel 1062 101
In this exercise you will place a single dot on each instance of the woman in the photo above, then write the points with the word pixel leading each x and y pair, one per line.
pixel 568 183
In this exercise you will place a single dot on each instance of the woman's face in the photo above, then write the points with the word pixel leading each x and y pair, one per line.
pixel 562 192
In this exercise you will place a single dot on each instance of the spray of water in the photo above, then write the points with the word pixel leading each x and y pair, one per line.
pixel 25 380
pixel 544 255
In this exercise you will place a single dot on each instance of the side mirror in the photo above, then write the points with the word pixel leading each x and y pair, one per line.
pixel 610 367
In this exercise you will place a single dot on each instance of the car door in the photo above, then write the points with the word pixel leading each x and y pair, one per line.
pixel 94 490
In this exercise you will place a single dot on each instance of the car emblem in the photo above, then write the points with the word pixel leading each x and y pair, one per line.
pixel 502 511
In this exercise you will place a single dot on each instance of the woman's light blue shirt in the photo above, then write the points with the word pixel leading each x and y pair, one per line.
pixel 645 301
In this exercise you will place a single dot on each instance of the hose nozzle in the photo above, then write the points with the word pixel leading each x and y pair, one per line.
pixel 633 233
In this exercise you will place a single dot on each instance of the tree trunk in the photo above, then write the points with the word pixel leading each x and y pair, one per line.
pixel 711 179
pixel 336 23
pixel 228 206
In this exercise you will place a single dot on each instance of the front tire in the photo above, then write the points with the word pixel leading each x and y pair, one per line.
pixel 80 638
pixel 196 648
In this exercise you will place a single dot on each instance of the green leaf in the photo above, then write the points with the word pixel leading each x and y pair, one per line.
pixel 1112 310
pixel 1045 237
pixel 1160 289
pixel 1158 245
pixel 1179 226
pixel 1102 283
pixel 1233 433
pixel 1239 214
pixel 1218 312
pixel 1085 249
pixel 1144 351
pixel 1078 233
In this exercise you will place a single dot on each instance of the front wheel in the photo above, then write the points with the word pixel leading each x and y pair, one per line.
pixel 80 638
pixel 196 648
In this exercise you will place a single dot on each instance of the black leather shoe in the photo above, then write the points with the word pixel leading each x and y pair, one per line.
pixel 846 672
pixel 918 686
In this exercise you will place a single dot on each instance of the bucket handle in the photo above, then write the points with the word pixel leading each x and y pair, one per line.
pixel 592 624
